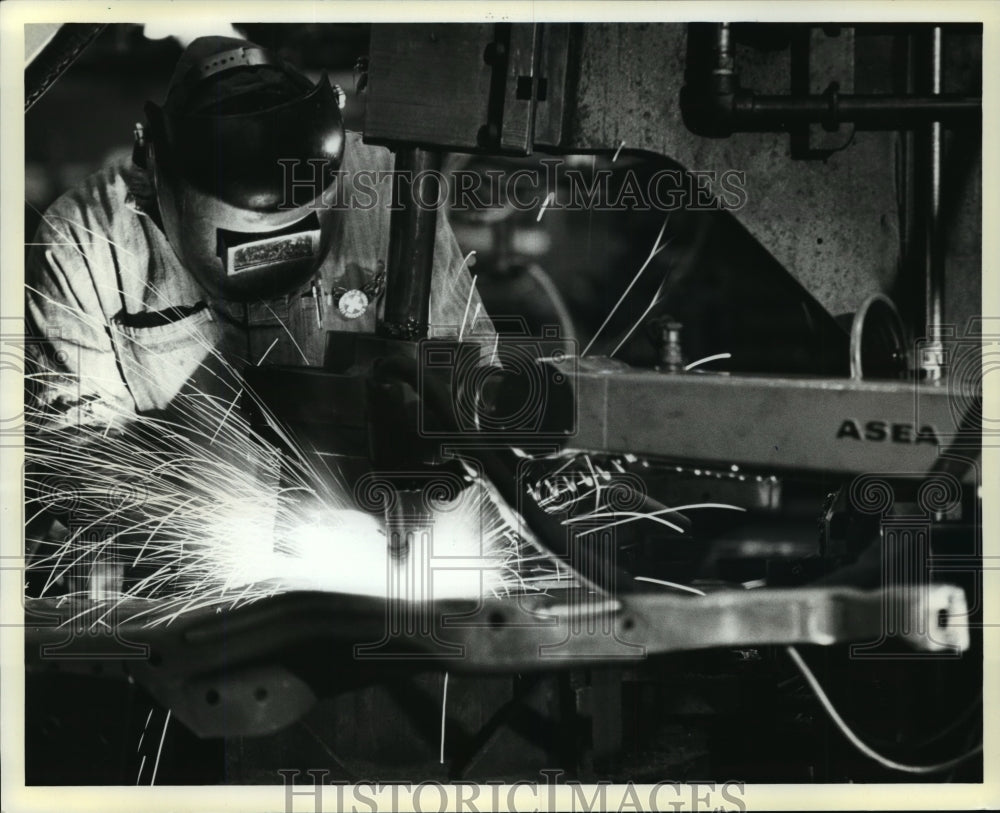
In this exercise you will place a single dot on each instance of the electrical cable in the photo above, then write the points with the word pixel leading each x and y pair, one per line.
pixel 834 715
pixel 856 741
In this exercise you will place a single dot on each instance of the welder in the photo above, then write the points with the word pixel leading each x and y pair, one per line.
pixel 237 233
pixel 237 227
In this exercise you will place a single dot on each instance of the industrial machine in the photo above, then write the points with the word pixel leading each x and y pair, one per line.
pixel 827 491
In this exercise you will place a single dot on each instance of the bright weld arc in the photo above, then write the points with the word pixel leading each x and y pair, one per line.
pixel 204 572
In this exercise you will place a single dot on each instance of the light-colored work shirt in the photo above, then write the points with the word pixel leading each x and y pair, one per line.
pixel 101 268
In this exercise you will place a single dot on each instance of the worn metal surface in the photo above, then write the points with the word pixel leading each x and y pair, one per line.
pixel 428 84
pixel 812 424
pixel 520 89
pixel 827 59
pixel 228 671
pixel 523 632
pixel 411 245
pixel 833 224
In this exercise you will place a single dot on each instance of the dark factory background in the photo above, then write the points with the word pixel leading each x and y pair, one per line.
pixel 721 273
pixel 827 224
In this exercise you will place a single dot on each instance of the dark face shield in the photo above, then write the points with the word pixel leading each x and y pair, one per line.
pixel 241 196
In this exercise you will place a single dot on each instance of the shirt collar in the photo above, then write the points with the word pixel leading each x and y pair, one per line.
pixel 140 194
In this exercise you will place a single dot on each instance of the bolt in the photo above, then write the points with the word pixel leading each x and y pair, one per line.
pixel 667 337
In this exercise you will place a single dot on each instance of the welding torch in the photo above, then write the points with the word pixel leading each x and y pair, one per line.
pixel 497 461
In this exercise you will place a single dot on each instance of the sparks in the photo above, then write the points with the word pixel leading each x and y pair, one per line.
pixel 545 205
pixel 197 512
pixel 468 302
pixel 656 249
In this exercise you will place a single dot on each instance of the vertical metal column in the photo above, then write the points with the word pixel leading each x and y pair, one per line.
pixel 931 362
pixel 416 188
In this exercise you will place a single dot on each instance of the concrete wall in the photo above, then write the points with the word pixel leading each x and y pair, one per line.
pixel 834 223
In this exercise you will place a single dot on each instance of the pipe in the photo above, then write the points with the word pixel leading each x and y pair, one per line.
pixel 873 111
pixel 931 358
pixel 412 229
pixel 713 104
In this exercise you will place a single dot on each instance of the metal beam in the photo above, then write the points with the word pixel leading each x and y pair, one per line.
pixel 803 423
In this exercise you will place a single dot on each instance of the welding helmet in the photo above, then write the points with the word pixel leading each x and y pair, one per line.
pixel 242 153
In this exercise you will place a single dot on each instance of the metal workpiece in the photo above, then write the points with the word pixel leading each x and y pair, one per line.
pixel 206 665
pixel 932 619
pixel 809 424
pixel 522 631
